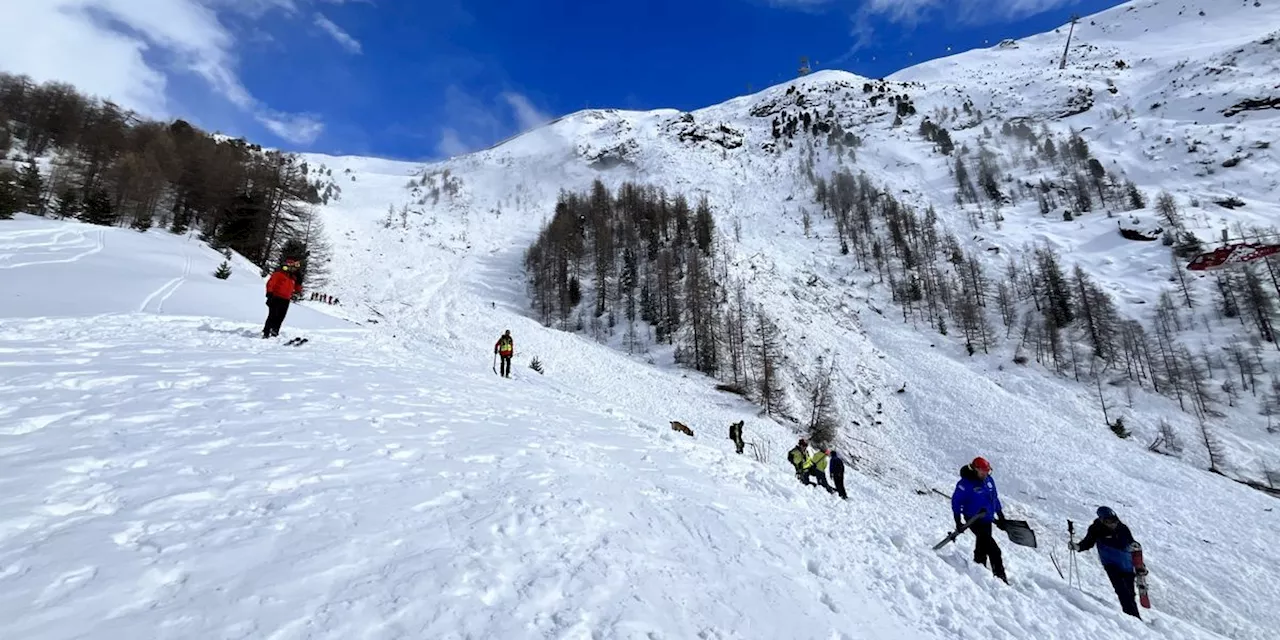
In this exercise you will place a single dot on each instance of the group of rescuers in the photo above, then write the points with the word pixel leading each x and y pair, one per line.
pixel 976 493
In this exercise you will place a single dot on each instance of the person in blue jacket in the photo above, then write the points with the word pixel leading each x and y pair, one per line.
pixel 1114 542
pixel 976 492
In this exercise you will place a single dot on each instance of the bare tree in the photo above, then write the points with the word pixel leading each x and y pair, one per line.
pixel 1166 441
pixel 823 421
pixel 768 357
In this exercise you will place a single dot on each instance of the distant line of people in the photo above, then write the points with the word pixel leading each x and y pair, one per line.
pixel 325 298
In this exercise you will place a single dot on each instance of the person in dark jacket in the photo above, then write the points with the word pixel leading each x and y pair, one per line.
pixel 974 493
pixel 797 455
pixel 281 288
pixel 735 434
pixel 1114 542
pixel 837 474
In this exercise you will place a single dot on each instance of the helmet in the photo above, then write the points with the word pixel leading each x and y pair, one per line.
pixel 290 263
pixel 1105 513
pixel 980 464
pixel 507 332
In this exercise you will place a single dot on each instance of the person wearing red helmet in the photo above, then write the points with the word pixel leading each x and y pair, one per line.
pixel 281 288
pixel 976 493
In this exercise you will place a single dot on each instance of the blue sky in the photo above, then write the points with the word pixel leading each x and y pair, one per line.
pixel 429 78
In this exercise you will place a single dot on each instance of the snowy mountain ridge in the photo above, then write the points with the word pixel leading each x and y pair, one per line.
pixel 763 182
pixel 186 480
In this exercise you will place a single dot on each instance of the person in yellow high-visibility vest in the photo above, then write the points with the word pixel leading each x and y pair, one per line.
pixel 505 348
pixel 816 467
pixel 797 455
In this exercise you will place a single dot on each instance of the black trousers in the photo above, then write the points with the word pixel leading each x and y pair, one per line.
pixel 813 472
pixel 985 548
pixel 1122 582
pixel 276 310
pixel 838 478
pixel 504 366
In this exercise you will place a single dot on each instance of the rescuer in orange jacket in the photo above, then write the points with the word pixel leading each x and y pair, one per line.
pixel 281 287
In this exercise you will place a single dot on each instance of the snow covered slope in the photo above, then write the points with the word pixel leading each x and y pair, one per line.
pixel 173 477
pixel 466 222
pixel 164 476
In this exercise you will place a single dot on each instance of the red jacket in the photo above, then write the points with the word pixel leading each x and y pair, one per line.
pixel 282 285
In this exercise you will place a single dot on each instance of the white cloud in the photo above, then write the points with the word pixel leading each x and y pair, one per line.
pixel 451 144
pixel 527 115
pixel 911 13
pixel 342 37
pixel 298 128
pixel 122 50
pixel 472 123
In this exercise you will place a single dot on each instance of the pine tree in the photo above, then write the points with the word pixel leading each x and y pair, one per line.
pixel 967 192
pixel 1134 196
pixel 1270 405
pixel 319 253
pixel 224 271
pixel 68 204
pixel 1098 313
pixel 31 188
pixel 1056 290
pixel 98 208
pixel 1167 207
pixel 988 177
pixel 9 195
pixel 823 423
pixel 1259 303
pixel 141 223
pixel 768 354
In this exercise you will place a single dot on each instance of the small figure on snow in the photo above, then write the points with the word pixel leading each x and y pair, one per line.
pixel 281 287
pixel 974 493
pixel 797 455
pixel 1114 542
pixel 505 348
pixel 816 467
pixel 837 474
pixel 735 434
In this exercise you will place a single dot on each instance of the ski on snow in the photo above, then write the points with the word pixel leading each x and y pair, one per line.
pixel 1140 575
pixel 296 342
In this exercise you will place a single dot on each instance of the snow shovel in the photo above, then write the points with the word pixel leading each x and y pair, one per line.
pixel 956 534
pixel 1019 533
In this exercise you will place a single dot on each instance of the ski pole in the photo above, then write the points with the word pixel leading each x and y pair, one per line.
pixel 1072 570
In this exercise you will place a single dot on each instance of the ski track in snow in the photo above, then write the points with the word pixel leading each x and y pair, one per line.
pixel 49 246
pixel 159 296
